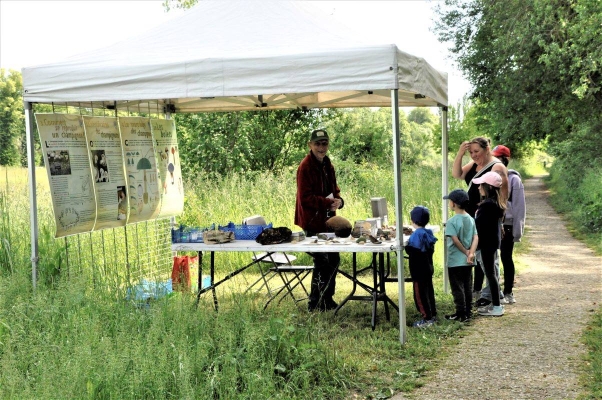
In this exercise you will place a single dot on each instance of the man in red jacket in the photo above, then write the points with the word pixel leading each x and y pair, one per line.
pixel 318 198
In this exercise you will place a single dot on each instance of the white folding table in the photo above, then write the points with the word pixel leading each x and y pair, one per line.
pixel 376 290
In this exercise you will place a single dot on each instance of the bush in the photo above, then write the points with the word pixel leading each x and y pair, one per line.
pixel 575 178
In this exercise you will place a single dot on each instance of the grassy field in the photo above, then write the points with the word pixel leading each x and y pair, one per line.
pixel 73 339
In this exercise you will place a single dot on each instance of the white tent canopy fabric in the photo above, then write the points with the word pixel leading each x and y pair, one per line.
pixel 228 55
pixel 243 55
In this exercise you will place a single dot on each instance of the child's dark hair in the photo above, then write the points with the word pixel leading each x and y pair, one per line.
pixel 462 205
pixel 420 215
pixel 492 192
pixel 504 160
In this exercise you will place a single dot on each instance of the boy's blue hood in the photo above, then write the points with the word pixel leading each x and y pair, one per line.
pixel 422 239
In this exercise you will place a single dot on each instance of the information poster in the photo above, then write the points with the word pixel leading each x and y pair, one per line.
pixel 108 172
pixel 170 173
pixel 141 168
pixel 67 162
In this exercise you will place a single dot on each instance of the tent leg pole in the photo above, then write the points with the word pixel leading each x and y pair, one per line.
pixel 31 168
pixel 444 189
pixel 398 213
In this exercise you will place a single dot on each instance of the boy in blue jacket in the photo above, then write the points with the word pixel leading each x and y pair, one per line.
pixel 420 249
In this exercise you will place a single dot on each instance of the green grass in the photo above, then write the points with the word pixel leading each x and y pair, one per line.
pixel 591 377
pixel 68 340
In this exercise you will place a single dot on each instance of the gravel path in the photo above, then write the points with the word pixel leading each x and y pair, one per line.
pixel 532 352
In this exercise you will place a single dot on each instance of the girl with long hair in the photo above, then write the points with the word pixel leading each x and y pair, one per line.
pixel 488 219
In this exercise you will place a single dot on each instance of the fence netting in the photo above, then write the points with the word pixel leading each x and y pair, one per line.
pixel 121 257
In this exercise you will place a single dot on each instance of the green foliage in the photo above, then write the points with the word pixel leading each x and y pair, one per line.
pixel 466 120
pixel 422 115
pixel 109 348
pixel 574 181
pixel 591 376
pixel 182 4
pixel 219 143
pixel 535 69
pixel 532 63
pixel 12 121
pixel 363 135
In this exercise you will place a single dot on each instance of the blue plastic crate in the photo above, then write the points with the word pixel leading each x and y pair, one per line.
pixel 187 234
pixel 244 232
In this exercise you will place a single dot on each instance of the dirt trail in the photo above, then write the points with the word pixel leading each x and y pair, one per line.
pixel 532 352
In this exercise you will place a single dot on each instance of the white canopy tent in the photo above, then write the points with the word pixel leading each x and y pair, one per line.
pixel 231 56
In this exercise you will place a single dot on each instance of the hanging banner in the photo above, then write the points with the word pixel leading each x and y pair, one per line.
pixel 170 173
pixel 67 163
pixel 141 168
pixel 108 172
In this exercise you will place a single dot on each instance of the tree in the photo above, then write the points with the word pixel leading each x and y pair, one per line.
pixel 535 68
pixel 362 135
pixel 245 141
pixel 529 62
pixel 12 121
pixel 422 115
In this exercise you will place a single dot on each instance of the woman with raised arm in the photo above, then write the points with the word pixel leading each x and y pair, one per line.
pixel 482 161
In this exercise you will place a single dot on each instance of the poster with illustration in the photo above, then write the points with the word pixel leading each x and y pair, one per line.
pixel 67 162
pixel 141 169
pixel 170 173
pixel 108 172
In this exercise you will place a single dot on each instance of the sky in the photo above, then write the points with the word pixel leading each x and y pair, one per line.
pixel 41 32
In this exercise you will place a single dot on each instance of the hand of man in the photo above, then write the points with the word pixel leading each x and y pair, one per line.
pixel 335 204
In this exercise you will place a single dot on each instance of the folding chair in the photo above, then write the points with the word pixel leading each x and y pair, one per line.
pixel 278 264
pixel 292 276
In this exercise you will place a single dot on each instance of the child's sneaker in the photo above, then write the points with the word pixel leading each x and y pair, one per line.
pixel 482 302
pixel 503 300
pixel 492 311
pixel 423 323
pixel 456 317
pixel 509 298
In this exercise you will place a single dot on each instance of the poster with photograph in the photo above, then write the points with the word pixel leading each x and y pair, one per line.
pixel 141 169
pixel 108 172
pixel 170 173
pixel 67 162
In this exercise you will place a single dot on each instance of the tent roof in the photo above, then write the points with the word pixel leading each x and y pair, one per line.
pixel 228 55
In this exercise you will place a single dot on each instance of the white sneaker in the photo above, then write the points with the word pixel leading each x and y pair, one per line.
pixel 492 311
pixel 509 298
pixel 503 300
pixel 484 309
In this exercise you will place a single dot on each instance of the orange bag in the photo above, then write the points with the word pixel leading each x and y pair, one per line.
pixel 180 274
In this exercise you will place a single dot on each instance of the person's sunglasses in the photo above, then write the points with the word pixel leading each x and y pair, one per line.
pixel 321 143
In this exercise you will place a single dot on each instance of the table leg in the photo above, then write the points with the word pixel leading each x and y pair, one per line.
pixel 215 284
pixel 375 285
pixel 381 278
pixel 353 279
pixel 212 286
pixel 212 274
pixel 200 277
pixel 377 292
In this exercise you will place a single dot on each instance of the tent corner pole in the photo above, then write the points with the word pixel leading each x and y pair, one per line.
pixel 398 213
pixel 31 169
pixel 444 188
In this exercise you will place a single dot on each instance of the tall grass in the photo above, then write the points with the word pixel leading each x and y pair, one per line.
pixel 71 340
